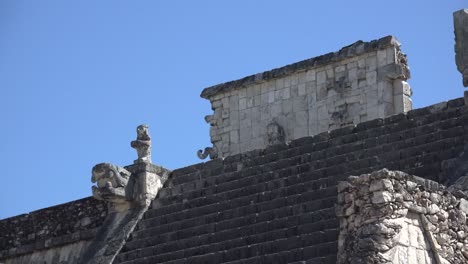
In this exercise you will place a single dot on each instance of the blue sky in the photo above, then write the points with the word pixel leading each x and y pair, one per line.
pixel 77 77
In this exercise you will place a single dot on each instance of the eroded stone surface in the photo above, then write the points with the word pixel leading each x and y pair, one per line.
pixel 412 245
pixel 392 217
pixel 275 134
pixel 111 183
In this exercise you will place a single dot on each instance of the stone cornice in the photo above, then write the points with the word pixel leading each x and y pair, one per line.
pixel 355 49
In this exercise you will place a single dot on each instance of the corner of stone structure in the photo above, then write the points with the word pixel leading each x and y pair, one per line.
pixel 360 82
pixel 393 217
pixel 128 192
pixel 460 21
pixel 148 179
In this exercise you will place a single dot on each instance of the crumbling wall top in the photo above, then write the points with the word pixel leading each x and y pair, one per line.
pixel 393 217
pixel 355 49
pixel 51 227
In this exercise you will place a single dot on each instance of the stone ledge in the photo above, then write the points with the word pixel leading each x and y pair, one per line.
pixel 148 167
pixel 355 49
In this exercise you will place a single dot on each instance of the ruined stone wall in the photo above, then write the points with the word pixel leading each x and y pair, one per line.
pixel 394 217
pixel 56 234
pixel 360 82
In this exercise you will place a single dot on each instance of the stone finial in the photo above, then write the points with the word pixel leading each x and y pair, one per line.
pixel 131 186
pixel 460 21
pixel 142 144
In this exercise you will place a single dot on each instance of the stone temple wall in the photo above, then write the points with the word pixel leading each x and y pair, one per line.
pixel 460 21
pixel 394 217
pixel 361 82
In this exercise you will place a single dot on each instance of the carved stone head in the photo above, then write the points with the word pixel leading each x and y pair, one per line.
pixel 275 134
pixel 142 132
pixel 111 182
pixel 142 144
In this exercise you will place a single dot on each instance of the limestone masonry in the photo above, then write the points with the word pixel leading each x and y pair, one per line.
pixel 361 82
pixel 321 161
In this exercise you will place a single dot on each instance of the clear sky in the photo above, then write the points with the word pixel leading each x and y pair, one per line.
pixel 77 77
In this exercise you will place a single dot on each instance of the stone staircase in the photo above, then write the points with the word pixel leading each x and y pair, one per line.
pixel 276 205
pixel 278 211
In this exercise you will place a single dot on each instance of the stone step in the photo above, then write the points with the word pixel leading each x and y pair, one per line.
pixel 241 163
pixel 353 161
pixel 243 215
pixel 291 157
pixel 239 207
pixel 226 244
pixel 255 224
pixel 238 188
pixel 277 258
pixel 231 250
pixel 203 188
pixel 257 193
pixel 400 135
pixel 294 255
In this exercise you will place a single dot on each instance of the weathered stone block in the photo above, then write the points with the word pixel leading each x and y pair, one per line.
pixel 371 63
pixel 464 205
pixel 460 20
pixel 321 77
pixel 381 197
pixel 234 136
pixel 401 87
pixel 381 58
pixel 310 75
pixel 378 185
